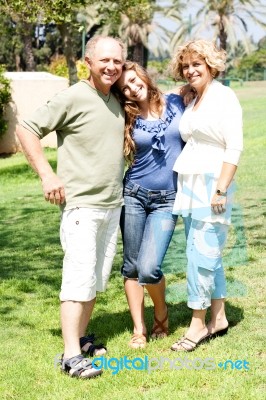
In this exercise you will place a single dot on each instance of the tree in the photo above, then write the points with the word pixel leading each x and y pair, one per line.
pixel 10 46
pixel 253 65
pixel 66 31
pixel 23 21
pixel 184 26
pixel 229 18
pixel 135 28
pixel 131 20
pixel 5 97
pixel 262 43
pixel 62 12
pixel 226 20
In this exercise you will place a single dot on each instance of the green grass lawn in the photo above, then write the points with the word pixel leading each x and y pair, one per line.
pixel 30 272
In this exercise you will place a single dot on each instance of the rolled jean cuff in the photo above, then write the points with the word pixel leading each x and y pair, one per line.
pixel 126 273
pixel 215 296
pixel 153 281
pixel 199 305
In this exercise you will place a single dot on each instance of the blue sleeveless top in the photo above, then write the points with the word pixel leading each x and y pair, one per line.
pixel 158 144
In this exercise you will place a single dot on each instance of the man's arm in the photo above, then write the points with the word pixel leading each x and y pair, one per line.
pixel 53 188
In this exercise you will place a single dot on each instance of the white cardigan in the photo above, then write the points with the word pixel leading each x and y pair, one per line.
pixel 213 135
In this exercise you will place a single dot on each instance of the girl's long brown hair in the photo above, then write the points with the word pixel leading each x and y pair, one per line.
pixel 132 109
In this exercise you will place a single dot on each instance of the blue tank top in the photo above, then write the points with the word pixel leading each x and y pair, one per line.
pixel 158 144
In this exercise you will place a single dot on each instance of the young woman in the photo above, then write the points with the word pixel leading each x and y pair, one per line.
pixel 212 128
pixel 152 143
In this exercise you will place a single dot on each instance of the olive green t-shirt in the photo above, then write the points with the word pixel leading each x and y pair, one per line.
pixel 90 136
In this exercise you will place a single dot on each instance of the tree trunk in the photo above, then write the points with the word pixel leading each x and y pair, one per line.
pixel 223 40
pixel 17 62
pixel 27 29
pixel 68 46
pixel 139 54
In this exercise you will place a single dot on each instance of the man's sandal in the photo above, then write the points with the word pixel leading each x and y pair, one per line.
pixel 186 344
pixel 159 330
pixel 138 341
pixel 92 349
pixel 76 366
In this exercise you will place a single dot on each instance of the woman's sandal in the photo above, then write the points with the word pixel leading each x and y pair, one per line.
pixel 75 366
pixel 92 349
pixel 159 330
pixel 186 344
pixel 216 334
pixel 138 341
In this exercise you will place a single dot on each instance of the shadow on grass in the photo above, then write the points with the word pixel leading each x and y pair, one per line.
pixel 108 325
pixel 23 170
pixel 29 237
pixel 31 260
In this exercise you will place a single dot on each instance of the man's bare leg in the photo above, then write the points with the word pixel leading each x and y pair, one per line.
pixel 74 315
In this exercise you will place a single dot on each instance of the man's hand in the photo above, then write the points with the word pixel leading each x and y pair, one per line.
pixel 53 189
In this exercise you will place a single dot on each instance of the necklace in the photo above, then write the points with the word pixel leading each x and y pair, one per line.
pixel 106 98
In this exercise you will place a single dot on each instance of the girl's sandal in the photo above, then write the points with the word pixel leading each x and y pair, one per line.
pixel 159 330
pixel 138 341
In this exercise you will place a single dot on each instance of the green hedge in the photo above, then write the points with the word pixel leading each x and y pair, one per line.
pixel 5 97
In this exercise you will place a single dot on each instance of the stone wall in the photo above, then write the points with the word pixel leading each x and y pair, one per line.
pixel 30 90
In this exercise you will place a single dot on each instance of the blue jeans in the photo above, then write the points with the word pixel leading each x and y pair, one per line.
pixel 147 226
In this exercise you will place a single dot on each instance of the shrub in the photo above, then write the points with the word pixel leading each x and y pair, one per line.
pixel 5 97
pixel 82 69
pixel 59 67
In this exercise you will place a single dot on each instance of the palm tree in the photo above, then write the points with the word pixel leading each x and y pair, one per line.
pixel 130 19
pixel 163 29
pixel 184 24
pixel 225 20
pixel 135 34
pixel 230 18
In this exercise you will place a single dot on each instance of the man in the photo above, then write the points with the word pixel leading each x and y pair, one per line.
pixel 89 123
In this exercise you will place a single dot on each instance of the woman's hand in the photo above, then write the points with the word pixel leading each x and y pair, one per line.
pixel 185 91
pixel 188 97
pixel 218 204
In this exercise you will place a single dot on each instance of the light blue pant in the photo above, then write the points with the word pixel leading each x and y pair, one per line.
pixel 205 273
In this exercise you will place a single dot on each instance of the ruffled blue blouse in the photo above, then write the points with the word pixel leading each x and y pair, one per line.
pixel 158 143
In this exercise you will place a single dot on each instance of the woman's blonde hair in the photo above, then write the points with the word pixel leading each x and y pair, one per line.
pixel 132 109
pixel 214 58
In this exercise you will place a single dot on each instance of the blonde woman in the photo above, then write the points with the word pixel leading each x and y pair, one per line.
pixel 211 126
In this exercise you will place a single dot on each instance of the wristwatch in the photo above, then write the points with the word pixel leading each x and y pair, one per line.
pixel 220 193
